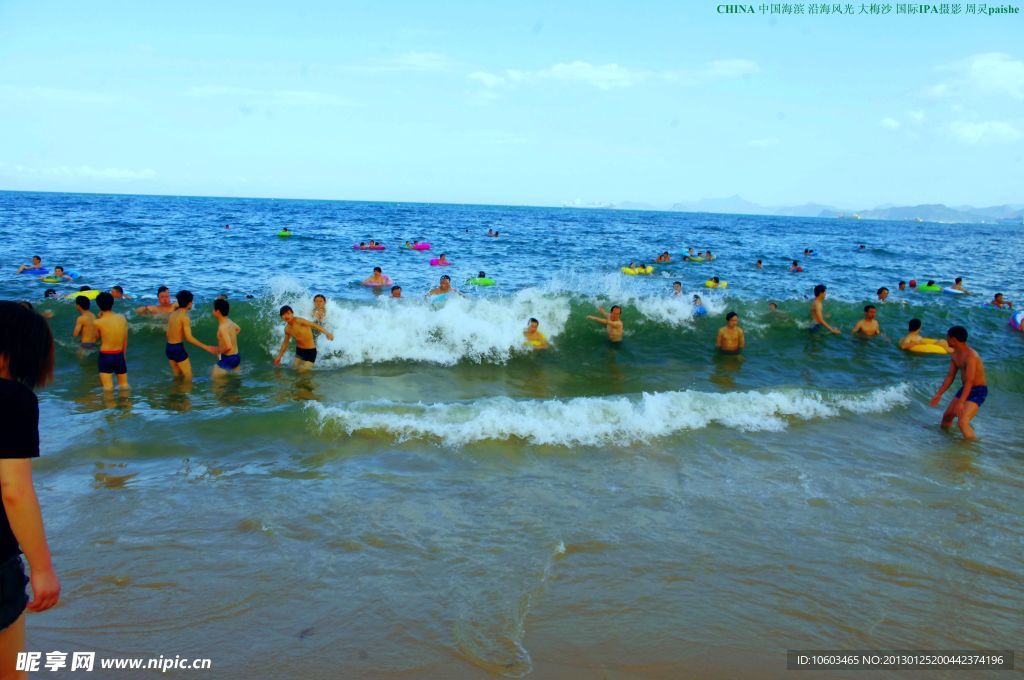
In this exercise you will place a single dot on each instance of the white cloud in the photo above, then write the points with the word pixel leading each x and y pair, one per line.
pixel 917 117
pixel 763 143
pixel 986 132
pixel 269 97
pixel 988 73
pixel 601 76
pixel 68 172
pixel 56 94
pixel 418 61
pixel 890 123
pixel 730 68
pixel 488 79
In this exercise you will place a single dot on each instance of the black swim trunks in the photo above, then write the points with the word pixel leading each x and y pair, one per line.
pixel 977 395
pixel 306 354
pixel 13 597
pixel 113 362
pixel 175 351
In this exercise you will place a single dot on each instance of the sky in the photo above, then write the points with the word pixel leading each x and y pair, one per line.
pixel 532 103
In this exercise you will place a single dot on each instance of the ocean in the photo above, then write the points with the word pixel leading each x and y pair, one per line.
pixel 435 500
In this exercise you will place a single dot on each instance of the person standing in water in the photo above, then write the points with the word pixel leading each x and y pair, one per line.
pixel 163 306
pixel 612 321
pixel 85 326
pixel 179 331
pixel 26 362
pixel 305 344
pixel 818 311
pixel 973 390
pixel 730 339
pixel 227 340
pixel 868 326
pixel 113 331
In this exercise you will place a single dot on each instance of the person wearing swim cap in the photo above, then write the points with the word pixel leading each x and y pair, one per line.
pixel 730 339
pixel 868 326
pixel 534 338
pixel 227 341
pixel 113 332
pixel 818 311
pixel 37 263
pixel 305 344
pixel 85 326
pixel 913 337
pixel 973 390
pixel 179 331
pixel 163 306
pixel 612 321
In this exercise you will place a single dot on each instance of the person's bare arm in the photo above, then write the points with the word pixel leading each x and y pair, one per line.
pixel 26 520
pixel 78 327
pixel 950 375
pixel 284 346
pixel 718 338
pixel 743 339
pixel 186 332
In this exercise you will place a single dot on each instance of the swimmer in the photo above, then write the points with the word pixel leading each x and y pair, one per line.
pixel 677 289
pixel 862 247
pixel 444 287
pixel 958 284
pixel 37 262
pixel 179 331
pixel 497 234
pixel 818 311
pixel 118 293
pixel 795 267
pixel 901 286
pixel 698 306
pixel 708 255
pixel 227 340
pixel 305 344
pixel 913 337
pixel 85 325
pixel 868 326
pixel 50 294
pixel 376 279
pixel 773 307
pixel 58 272
pixel 396 291
pixel 320 306
pixel 730 338
pixel 715 280
pixel 534 337
pixel 664 257
pixel 284 230
pixel 113 332
pixel 882 293
pixel 931 282
pixel 408 245
pixel 490 232
pixel 974 387
pixel 443 259
pixel 999 303
pixel 164 306
pixel 612 321
pixel 482 275
pixel 759 265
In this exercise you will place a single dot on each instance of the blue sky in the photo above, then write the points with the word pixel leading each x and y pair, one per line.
pixel 512 103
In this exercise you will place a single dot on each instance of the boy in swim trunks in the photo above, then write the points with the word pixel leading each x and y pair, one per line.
pixel 612 321
pixel 913 337
pixel 85 326
pixel 113 332
pixel 163 306
pixel 818 309
pixel 227 340
pixel 305 345
pixel 972 392
pixel 730 338
pixel 868 326
pixel 534 338
pixel 179 331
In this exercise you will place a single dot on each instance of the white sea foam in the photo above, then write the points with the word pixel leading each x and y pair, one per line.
pixel 594 421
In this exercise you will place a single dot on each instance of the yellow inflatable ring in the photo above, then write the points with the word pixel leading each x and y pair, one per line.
pixel 91 294
pixel 711 284
pixel 631 271
pixel 928 347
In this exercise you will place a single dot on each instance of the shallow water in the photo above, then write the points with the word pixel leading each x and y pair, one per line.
pixel 435 501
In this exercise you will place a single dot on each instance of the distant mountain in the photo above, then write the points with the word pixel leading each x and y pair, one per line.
pixel 733 205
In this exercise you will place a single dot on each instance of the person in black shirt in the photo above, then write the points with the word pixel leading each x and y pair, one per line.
pixel 26 360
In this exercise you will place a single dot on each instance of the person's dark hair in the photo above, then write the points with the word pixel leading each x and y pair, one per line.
pixel 759 261
pixel 320 295
pixel 56 268
pixel 730 315
pixel 914 325
pixel 931 282
pixel 532 320
pixel 81 288
pixel 378 270
pixel 394 288
pixel 119 289
pixel 184 298
pixel 773 304
pixel 715 279
pixel 284 309
pixel 27 342
pixel 36 257
pixel 50 293
pixel 614 307
pixel 222 306
pixel 482 275
pixel 957 333
pixel 696 298
pixel 796 263
pixel 443 255
pixel 446 277
pixel 819 289
pixel 677 283
pixel 867 307
pixel 105 301
pixel 958 279
pixel 82 302
pixel 881 289
pixel 997 295
pixel 903 283
pixel 161 289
